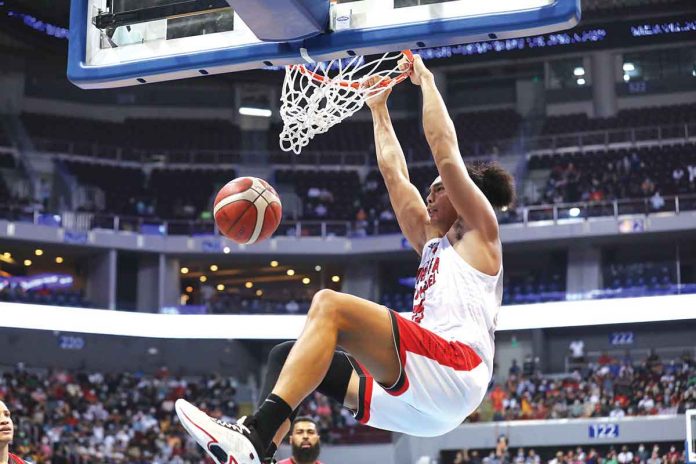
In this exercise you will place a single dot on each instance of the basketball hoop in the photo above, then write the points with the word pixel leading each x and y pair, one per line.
pixel 318 97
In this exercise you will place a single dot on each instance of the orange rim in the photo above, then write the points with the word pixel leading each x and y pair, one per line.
pixel 387 81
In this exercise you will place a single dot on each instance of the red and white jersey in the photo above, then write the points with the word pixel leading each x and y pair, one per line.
pixel 14 459
pixel 455 300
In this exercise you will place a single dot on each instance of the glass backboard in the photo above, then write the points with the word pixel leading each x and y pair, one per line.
pixel 115 43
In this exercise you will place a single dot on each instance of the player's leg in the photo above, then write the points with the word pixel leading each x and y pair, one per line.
pixel 361 327
pixel 334 385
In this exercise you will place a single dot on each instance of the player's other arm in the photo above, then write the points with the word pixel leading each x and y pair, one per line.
pixel 468 200
pixel 404 196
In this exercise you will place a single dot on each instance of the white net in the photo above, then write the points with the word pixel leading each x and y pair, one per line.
pixel 316 98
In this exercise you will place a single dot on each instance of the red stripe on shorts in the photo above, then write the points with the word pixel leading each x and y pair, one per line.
pixel 418 340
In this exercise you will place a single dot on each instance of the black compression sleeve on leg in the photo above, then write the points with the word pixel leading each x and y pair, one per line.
pixel 334 385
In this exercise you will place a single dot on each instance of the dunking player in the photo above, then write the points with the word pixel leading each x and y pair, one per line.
pixel 6 436
pixel 304 441
pixel 422 376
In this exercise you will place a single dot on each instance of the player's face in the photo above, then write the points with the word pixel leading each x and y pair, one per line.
pixel 6 426
pixel 305 441
pixel 442 213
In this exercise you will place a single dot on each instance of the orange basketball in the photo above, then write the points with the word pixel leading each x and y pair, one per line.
pixel 247 210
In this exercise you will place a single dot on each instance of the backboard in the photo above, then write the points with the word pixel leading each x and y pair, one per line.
pixel 115 43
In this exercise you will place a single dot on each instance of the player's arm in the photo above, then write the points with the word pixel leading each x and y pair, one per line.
pixel 467 199
pixel 404 196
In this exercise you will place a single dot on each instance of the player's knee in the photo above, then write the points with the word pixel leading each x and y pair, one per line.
pixel 323 304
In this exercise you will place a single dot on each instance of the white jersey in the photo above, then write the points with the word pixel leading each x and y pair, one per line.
pixel 457 301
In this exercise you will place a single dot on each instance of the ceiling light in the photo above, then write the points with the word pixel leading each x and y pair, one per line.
pixel 189 289
pixel 581 81
pixel 274 263
pixel 290 272
pixel 259 292
pixel 226 250
pixel 249 111
pixel 629 67
pixel 317 268
pixel 203 278
pixel 38 252
pixel 335 278
pixel 306 281
pixel 27 262
pixel 220 287
pixel 59 260
pixel 7 255
pixel 579 71
pixel 213 267
pixel 249 284
pixel 184 270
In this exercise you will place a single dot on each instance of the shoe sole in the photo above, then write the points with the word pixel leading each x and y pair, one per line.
pixel 206 433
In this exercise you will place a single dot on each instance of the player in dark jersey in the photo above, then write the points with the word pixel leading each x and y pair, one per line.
pixel 304 441
pixel 6 436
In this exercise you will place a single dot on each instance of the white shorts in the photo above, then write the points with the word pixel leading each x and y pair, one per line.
pixel 440 384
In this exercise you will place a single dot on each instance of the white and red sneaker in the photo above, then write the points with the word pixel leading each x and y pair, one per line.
pixel 225 443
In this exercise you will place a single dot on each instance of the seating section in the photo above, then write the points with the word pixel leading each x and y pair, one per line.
pixel 185 193
pixel 123 186
pixel 610 387
pixel 80 136
pixel 326 195
pixel 633 118
pixel 225 303
pixel 618 174
pixel 642 279
pixel 533 287
pixel 44 297
pixel 167 194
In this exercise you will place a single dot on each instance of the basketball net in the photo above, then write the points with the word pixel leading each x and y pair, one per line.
pixel 317 97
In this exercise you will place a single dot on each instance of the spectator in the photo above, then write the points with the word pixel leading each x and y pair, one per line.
pixel 320 210
pixel 514 368
pixel 642 454
pixel 656 201
pixel 617 412
pixel 462 457
pixel 291 307
pixel 611 458
pixel 654 458
pixel 625 456
pixel 532 458
pixel 577 351
pixel 558 459
pixel 305 442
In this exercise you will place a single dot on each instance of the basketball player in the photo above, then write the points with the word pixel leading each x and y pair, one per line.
pixel 304 441
pixel 6 436
pixel 422 376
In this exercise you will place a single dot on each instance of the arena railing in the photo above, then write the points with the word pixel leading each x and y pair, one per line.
pixel 525 215
pixel 543 143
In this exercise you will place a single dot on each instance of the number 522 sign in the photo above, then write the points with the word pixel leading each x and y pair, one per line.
pixel 604 431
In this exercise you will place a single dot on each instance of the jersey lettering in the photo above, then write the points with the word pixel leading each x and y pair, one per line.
pixel 426 277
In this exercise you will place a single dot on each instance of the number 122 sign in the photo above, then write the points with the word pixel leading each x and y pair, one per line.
pixel 604 431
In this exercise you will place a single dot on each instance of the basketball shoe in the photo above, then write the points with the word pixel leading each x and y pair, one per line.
pixel 224 442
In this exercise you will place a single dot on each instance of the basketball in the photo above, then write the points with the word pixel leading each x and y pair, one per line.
pixel 247 210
